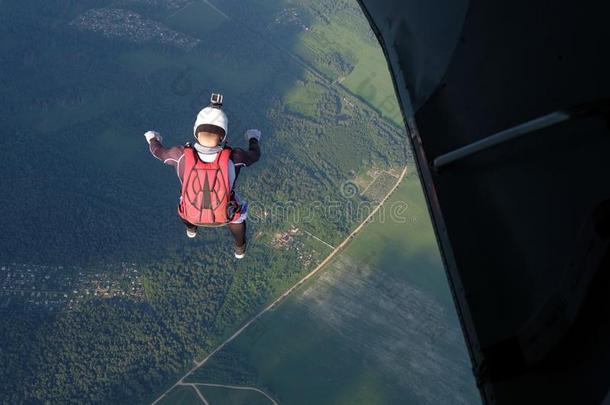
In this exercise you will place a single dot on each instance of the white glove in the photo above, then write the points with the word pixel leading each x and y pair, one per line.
pixel 150 135
pixel 253 133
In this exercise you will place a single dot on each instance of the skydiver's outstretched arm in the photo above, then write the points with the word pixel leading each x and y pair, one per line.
pixel 243 157
pixel 170 156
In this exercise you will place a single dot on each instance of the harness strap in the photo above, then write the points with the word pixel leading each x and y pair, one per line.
pixel 197 208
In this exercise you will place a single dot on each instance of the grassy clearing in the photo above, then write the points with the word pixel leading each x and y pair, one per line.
pixel 369 79
pixel 401 237
pixel 303 98
pixel 322 43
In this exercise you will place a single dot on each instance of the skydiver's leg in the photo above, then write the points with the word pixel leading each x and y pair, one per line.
pixel 191 230
pixel 239 233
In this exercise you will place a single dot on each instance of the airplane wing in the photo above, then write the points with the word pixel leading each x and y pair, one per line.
pixel 506 104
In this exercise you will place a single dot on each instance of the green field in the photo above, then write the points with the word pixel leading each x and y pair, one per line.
pixel 345 34
pixel 377 326
pixel 370 80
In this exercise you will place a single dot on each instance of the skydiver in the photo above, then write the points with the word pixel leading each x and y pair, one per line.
pixel 208 170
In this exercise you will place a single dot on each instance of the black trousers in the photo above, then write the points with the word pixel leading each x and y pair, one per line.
pixel 237 230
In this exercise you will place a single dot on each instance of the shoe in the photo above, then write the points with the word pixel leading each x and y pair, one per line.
pixel 191 232
pixel 240 251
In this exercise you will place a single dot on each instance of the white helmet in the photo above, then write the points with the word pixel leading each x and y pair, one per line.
pixel 212 116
